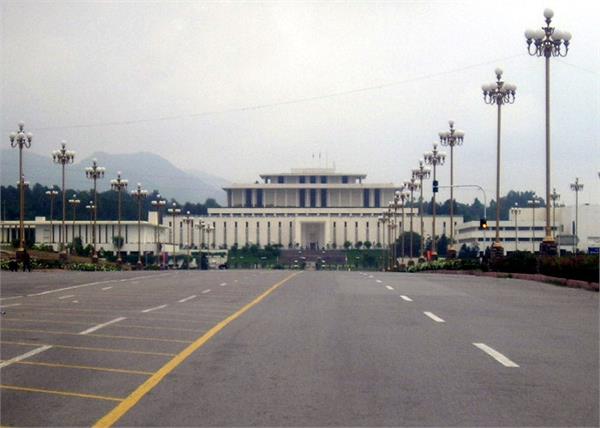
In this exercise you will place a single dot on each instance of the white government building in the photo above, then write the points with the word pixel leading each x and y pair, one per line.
pixel 315 208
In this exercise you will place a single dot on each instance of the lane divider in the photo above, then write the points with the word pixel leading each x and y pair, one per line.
pixel 389 288
pixel 145 311
pixel 128 403
pixel 186 299
pixel 406 298
pixel 206 291
pixel 66 297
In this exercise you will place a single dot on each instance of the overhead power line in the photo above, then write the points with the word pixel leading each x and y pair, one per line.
pixel 282 103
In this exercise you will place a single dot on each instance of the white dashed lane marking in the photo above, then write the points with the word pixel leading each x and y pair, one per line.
pixel 378 281
pixel 10 306
pixel 502 359
pixel 408 299
pixel 389 288
pixel 66 297
pixel 434 317
pixel 99 326
pixel 106 288
pixel 186 299
pixel 223 284
pixel 206 291
pixel 153 309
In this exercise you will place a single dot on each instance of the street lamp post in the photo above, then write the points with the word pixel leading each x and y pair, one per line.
pixel 555 196
pixel 533 202
pixel 434 158
pixel 452 138
pixel 548 42
pixel 421 173
pixel 209 229
pixel 498 93
pixel 21 139
pixel 92 209
pixel 94 173
pixel 403 199
pixel 382 221
pixel 63 157
pixel 52 194
pixel 139 194
pixel 411 185
pixel 119 184
pixel 515 211
pixel 189 222
pixel 174 211
pixel 576 187
pixel 74 202
pixel 159 204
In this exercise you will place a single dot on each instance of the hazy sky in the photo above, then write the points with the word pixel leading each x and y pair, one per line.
pixel 241 88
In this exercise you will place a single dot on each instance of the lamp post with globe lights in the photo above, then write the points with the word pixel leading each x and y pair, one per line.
pixel 515 211
pixel 382 220
pixel 453 137
pixel 159 204
pixel 63 157
pixel 74 202
pixel 21 139
pixel 576 187
pixel 119 184
pixel 534 201
pixel 174 211
pixel 188 220
pixel 411 185
pixel 548 42
pixel 92 209
pixel 434 158
pixel 421 173
pixel 403 198
pixel 554 196
pixel 139 194
pixel 51 194
pixel 95 173
pixel 498 93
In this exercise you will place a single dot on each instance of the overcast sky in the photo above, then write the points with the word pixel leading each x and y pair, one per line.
pixel 241 88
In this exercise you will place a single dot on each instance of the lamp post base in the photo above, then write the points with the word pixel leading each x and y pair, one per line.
pixel 139 265
pixel 496 251
pixel 94 258
pixel 451 253
pixel 20 255
pixel 63 256
pixel 548 248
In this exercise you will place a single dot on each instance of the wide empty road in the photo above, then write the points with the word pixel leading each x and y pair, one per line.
pixel 280 348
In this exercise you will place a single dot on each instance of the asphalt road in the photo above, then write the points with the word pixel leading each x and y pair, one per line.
pixel 260 348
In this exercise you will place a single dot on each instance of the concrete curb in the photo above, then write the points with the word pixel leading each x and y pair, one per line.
pixel 564 282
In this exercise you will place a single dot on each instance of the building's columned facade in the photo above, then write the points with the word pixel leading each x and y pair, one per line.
pixel 308 208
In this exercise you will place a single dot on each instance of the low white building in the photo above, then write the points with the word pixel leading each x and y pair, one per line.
pixel 50 233
pixel 526 232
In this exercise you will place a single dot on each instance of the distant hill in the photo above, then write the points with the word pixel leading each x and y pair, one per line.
pixel 153 171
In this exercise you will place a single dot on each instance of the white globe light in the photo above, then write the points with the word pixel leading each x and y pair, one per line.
pixel 557 35
pixel 529 33
pixel 498 71
pixel 539 34
pixel 566 36
pixel 548 13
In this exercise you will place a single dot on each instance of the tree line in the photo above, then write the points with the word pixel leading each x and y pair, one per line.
pixel 37 204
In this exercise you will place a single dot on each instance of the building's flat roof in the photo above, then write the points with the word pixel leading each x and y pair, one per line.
pixel 311 186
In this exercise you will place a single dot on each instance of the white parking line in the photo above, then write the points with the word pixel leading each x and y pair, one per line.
pixel 186 299
pixel 389 288
pixel 58 290
pixel 106 288
pixel 10 306
pixel 223 284
pixel 11 298
pixel 153 309
pixel 408 299
pixel 502 359
pixel 434 317
pixel 99 326
pixel 66 297
pixel 25 355
pixel 378 281
pixel 206 291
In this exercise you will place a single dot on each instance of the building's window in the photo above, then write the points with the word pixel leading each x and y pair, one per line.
pixel 302 179
pixel 344 179
pixel 313 198
pixel 248 202
pixel 366 195
pixel 229 199
pixel 377 198
pixel 323 179
pixel 302 197
pixel 323 198
pixel 259 198
pixel 280 179
pixel 313 179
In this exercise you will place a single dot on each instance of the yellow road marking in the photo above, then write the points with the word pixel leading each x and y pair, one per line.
pixel 108 336
pixel 86 348
pixel 66 393
pixel 91 325
pixel 117 413
pixel 70 366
